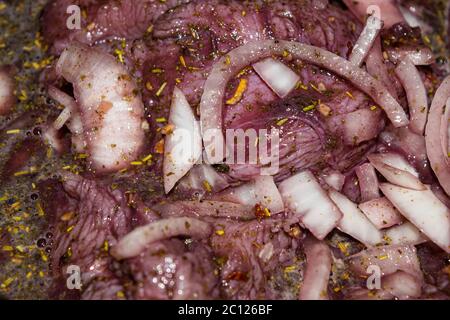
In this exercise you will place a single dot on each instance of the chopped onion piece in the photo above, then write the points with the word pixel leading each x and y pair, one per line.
pixel 279 77
pixel 405 234
pixel 305 198
pixel 183 145
pixel 389 259
pixel 365 41
pixel 368 182
pixel 235 60
pixel 137 240
pixel 381 213
pixel 354 222
pixel 335 180
pixel 434 136
pixel 396 170
pixel 203 178
pixel 402 285
pixel 262 190
pixel 416 93
pixel 317 272
pixel 361 125
pixel 424 210
pixel 266 252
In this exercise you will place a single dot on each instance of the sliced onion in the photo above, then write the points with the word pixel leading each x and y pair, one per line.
pixel 368 182
pixel 200 178
pixel 70 106
pixel 354 222
pixel 317 272
pixel 334 179
pixel 137 240
pixel 305 198
pixel 424 210
pixel 381 213
pixel 366 40
pixel 396 170
pixel 279 77
pixel 405 234
pixel 419 57
pixel 235 60
pixel 206 208
pixel 7 97
pixel 416 93
pixel 434 136
pixel 183 146
pixel 377 68
pixel 402 285
pixel 389 259
pixel 262 190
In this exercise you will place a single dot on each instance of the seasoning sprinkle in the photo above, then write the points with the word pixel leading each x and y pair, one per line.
pixel 207 186
pixel 182 61
pixel 161 89
pixel 309 108
pixel 13 131
pixel 282 121
pixel 238 93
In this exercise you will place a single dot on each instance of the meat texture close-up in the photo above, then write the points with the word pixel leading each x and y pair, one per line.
pixel 225 149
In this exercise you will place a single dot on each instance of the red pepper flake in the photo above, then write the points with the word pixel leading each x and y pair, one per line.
pixel 238 276
pixel 261 212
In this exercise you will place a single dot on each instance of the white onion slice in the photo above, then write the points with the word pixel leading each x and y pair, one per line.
pixel 389 259
pixel 334 179
pixel 317 272
pixel 7 97
pixel 402 285
pixel 405 234
pixel 183 146
pixel 418 57
pixel 235 60
pixel 396 170
pixel 137 240
pixel 433 136
pixel 262 190
pixel 381 213
pixel 424 210
pixel 303 196
pixel 365 41
pixel 416 93
pixel 368 182
pixel 279 77
pixel 354 222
